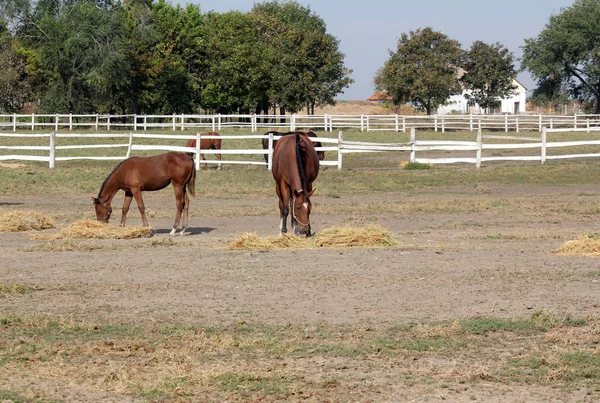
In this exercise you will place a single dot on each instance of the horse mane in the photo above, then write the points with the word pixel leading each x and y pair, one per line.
pixel 301 159
pixel 108 177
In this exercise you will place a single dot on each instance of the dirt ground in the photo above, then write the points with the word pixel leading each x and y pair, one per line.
pixel 449 265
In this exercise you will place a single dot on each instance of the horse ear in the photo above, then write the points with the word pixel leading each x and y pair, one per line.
pixel 311 192
pixel 297 193
pixel 95 200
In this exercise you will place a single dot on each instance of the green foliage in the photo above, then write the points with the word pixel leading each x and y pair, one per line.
pixel 565 56
pixel 489 73
pixel 422 70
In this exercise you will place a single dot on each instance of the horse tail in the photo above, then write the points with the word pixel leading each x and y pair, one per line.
pixel 191 183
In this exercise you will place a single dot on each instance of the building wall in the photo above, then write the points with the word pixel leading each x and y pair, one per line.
pixel 458 104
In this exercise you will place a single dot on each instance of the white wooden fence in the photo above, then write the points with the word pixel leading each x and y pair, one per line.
pixel 398 123
pixel 338 145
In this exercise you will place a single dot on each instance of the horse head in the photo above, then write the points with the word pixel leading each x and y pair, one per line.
pixel 301 206
pixel 103 209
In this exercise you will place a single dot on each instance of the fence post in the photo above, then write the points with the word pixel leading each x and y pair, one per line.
pixel 32 122
pixel 403 124
pixel 396 120
pixel 506 123
pixel 97 118
pixel 443 124
pixel 135 122
pixel 197 157
pixel 575 121
pixel 52 149
pixel 479 147
pixel 56 123
pixel 544 139
pixel 551 124
pixel 293 122
pixel 471 122
pixel 588 124
pixel 362 123
pixel 254 123
pixel 173 122
pixel 129 145
pixel 517 124
pixel 270 152
pixel 413 137
pixel 219 121
pixel 108 122
pixel 213 122
pixel 14 122
pixel 435 122
pixel 368 126
pixel 340 142
pixel 540 122
pixel 70 122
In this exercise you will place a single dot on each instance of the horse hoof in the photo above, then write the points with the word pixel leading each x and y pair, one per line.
pixel 173 231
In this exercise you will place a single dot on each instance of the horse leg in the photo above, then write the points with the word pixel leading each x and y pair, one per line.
pixel 126 204
pixel 137 195
pixel 284 203
pixel 186 210
pixel 180 202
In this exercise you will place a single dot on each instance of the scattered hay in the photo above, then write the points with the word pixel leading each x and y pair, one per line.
pixel 18 221
pixel 12 165
pixel 251 241
pixel 348 237
pixel 335 237
pixel 13 289
pixel 89 229
pixel 580 247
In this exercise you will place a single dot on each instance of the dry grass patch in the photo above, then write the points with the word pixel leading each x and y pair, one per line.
pixel 12 289
pixel 580 247
pixel 88 229
pixel 18 221
pixel 335 237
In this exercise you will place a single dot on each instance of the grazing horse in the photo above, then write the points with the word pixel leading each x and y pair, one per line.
pixel 205 144
pixel 265 142
pixel 138 174
pixel 295 167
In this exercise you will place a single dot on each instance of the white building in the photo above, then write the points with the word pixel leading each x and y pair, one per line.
pixel 514 105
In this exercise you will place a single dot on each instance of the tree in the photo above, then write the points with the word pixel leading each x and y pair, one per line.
pixel 565 56
pixel 422 70
pixel 80 46
pixel 237 77
pixel 489 74
pixel 15 83
pixel 305 64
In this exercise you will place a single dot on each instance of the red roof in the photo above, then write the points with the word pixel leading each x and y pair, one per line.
pixel 380 97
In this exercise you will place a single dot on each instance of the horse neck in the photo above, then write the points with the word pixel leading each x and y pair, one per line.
pixel 109 188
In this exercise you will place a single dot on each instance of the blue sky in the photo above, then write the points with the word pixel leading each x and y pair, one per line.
pixel 367 30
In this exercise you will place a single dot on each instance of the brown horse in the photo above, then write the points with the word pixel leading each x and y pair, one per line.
pixel 205 144
pixel 265 142
pixel 138 174
pixel 295 167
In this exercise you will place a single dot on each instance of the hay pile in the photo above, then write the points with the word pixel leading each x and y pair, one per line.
pixel 17 221
pixel 88 229
pixel 335 237
pixel 348 237
pixel 580 247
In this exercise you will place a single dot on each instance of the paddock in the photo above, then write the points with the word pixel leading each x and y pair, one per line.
pixel 474 245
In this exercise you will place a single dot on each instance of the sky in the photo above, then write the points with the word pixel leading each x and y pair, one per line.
pixel 368 30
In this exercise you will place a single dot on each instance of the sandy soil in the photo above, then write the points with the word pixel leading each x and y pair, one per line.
pixel 448 266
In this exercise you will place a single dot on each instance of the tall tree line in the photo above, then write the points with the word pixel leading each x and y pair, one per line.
pixel 149 56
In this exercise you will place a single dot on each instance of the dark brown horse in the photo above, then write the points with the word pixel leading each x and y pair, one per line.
pixel 138 174
pixel 206 144
pixel 265 142
pixel 295 167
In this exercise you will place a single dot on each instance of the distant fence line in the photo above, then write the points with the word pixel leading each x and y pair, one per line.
pixel 339 147
pixel 398 123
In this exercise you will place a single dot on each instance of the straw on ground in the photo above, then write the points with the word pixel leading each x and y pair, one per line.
pixel 335 237
pixel 88 229
pixel 18 221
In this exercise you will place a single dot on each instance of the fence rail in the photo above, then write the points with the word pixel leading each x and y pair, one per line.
pixel 398 123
